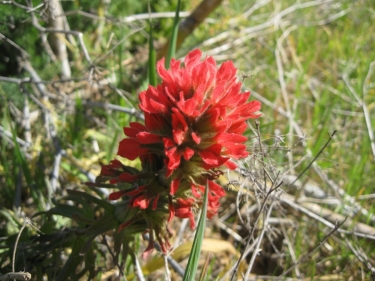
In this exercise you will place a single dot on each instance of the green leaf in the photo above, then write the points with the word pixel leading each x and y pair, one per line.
pixel 21 160
pixel 76 129
pixel 83 220
pixel 73 261
pixel 106 223
pixel 87 246
pixel 151 60
pixel 58 240
pixel 173 42
pixel 5 166
pixel 12 220
pixel 192 265
pixel 63 210
pixel 111 147
pixel 102 203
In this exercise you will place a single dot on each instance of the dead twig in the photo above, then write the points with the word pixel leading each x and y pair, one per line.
pixel 251 234
pixel 19 275
pixel 15 276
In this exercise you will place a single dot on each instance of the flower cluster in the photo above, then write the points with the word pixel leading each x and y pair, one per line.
pixel 194 124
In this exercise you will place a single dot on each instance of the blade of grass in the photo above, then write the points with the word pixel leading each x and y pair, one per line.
pixel 77 125
pixel 192 265
pixel 112 146
pixel 151 59
pixel 73 261
pixel 22 161
pixel 120 73
pixel 173 42
pixel 6 168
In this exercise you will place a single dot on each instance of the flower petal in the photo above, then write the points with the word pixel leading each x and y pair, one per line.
pixel 131 149
pixel 148 138
pixel 196 138
pixel 174 186
pixel 116 195
pixel 188 153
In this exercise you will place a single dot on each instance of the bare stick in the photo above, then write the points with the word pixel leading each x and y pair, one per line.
pixel 26 120
pixel 137 267
pixel 115 107
pixel 58 41
pixel 167 271
pixel 174 264
pixel 257 124
pixel 252 231
pixel 128 19
pixel 15 276
pixel 256 249
pixel 23 52
pixel 26 222
pixel 79 35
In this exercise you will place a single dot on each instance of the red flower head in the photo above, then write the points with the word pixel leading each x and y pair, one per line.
pixel 194 121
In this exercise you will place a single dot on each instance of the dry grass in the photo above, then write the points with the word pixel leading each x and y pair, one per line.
pixel 299 208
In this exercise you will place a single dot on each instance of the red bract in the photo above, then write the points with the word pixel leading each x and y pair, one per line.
pixel 203 110
pixel 184 209
pixel 194 124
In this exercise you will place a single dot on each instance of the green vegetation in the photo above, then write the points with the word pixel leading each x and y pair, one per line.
pixel 311 63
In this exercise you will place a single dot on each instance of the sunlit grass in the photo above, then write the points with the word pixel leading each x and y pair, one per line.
pixel 318 61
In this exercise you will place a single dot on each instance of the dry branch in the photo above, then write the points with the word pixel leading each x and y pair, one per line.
pixel 57 40
pixel 15 276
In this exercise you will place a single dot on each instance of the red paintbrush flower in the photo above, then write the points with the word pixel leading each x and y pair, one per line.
pixel 194 124
pixel 203 110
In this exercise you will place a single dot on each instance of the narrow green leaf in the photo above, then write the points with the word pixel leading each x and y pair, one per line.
pixel 102 203
pixel 77 125
pixel 6 165
pixel 120 73
pixel 21 160
pixel 192 265
pixel 87 246
pixel 87 209
pixel 111 147
pixel 106 223
pixel 10 217
pixel 73 261
pixel 173 41
pixel 83 220
pixel 91 262
pixel 57 240
pixel 151 59
pixel 63 210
